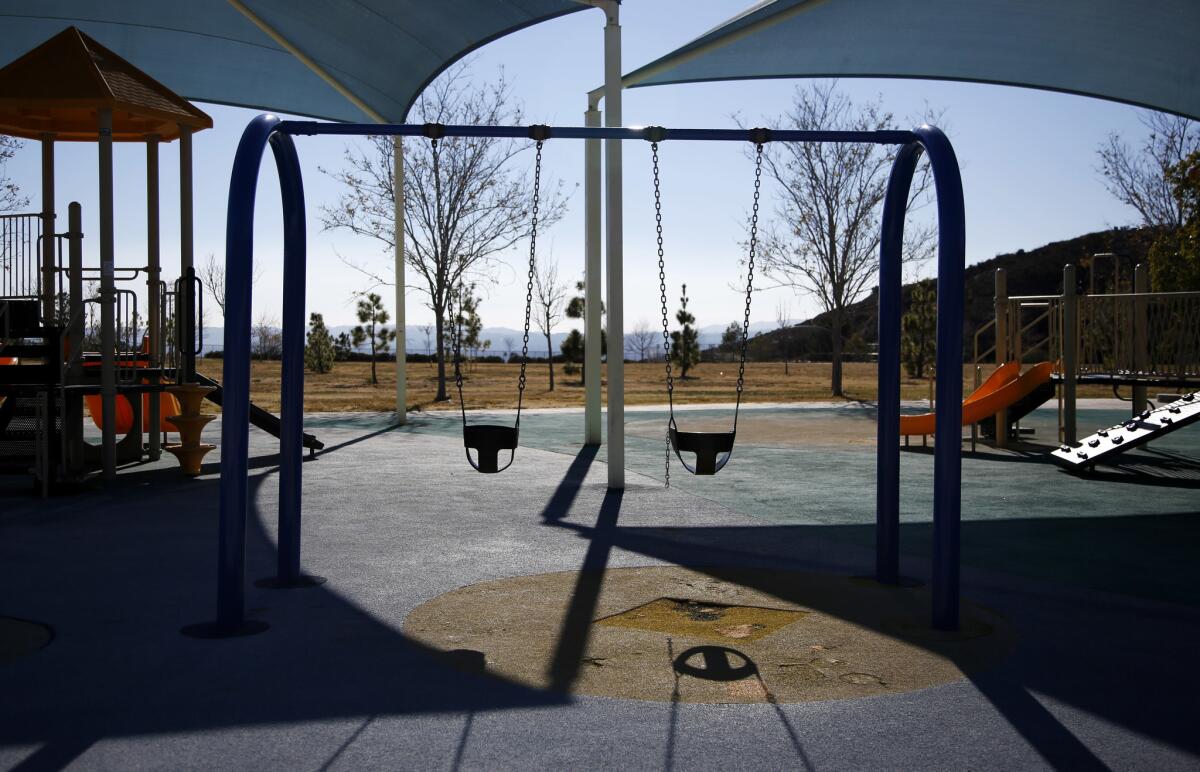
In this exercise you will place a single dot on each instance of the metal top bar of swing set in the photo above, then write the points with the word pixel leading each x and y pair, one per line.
pixel 269 131
pixel 310 128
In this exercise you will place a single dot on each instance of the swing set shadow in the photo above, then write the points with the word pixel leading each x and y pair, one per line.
pixel 747 556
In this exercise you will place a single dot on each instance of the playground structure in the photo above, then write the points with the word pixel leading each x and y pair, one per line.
pixel 1137 339
pixel 72 331
pixel 73 334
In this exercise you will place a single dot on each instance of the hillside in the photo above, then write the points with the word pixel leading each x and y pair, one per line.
pixel 1033 272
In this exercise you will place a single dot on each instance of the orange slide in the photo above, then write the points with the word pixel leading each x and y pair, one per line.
pixel 168 406
pixel 1004 387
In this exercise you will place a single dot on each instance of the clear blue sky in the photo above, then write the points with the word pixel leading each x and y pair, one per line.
pixel 1028 162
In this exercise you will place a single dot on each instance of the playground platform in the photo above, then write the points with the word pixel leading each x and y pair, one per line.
pixel 1087 585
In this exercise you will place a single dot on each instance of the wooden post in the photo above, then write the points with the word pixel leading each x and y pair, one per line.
pixel 153 276
pixel 48 262
pixel 108 321
pixel 185 306
pixel 1141 337
pixel 73 405
pixel 1002 348
pixel 1070 352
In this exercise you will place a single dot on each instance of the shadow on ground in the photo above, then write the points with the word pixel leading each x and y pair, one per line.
pixel 131 565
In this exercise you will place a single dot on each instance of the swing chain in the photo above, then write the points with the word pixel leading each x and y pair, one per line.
pixel 533 228
pixel 741 380
pixel 662 292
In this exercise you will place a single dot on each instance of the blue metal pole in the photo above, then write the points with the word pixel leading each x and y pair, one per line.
pixel 887 464
pixel 291 411
pixel 947 465
pixel 885 137
pixel 235 408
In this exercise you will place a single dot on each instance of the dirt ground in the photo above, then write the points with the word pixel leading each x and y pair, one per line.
pixel 348 387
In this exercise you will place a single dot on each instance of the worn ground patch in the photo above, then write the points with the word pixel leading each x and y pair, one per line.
pixel 709 636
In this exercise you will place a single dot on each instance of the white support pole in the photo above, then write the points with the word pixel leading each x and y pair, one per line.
pixel 592 280
pixel 185 311
pixel 401 341
pixel 153 276
pixel 108 374
pixel 48 264
pixel 614 240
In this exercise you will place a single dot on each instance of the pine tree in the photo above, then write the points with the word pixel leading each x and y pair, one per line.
pixel 343 346
pixel 467 322
pixel 372 317
pixel 319 351
pixel 572 351
pixel 577 309
pixel 918 329
pixel 685 343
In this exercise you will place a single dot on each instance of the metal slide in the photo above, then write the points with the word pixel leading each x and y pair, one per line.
pixel 268 422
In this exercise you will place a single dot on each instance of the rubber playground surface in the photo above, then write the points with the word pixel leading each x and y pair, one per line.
pixel 533 620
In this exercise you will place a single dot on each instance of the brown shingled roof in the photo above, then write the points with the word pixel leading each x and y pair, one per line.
pixel 60 85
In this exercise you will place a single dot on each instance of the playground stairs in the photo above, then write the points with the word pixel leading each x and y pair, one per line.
pixel 22 432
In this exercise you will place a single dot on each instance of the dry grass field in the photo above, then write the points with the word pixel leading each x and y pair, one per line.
pixel 347 388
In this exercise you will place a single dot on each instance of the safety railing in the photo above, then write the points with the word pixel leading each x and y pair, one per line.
pixel 20 255
pixel 1148 334
pixel 1033 332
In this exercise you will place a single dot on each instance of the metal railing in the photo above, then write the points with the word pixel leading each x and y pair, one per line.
pixel 20 255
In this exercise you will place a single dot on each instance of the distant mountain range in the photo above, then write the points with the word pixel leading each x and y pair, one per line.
pixel 1035 271
pixel 503 338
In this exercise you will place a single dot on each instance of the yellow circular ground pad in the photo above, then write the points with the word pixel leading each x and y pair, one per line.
pixel 714 635
pixel 19 637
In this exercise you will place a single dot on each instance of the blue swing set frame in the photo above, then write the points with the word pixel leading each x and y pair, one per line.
pixel 269 130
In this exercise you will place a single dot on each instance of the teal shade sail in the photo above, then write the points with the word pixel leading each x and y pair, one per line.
pixel 1142 52
pixel 383 51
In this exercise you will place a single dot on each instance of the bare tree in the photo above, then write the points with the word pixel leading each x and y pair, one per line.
pixel 783 318
pixel 427 331
pixel 549 296
pixel 643 341
pixel 10 193
pixel 826 240
pixel 267 338
pixel 456 221
pixel 211 274
pixel 1138 178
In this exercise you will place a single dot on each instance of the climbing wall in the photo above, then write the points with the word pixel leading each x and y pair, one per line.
pixel 1147 425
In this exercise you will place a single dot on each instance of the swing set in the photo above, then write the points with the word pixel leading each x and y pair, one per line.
pixel 712 449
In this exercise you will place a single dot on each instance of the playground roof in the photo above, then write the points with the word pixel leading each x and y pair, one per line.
pixel 249 52
pixel 1143 53
pixel 58 87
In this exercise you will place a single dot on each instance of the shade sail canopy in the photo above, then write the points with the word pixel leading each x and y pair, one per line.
pixel 382 51
pixel 59 86
pixel 1143 52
